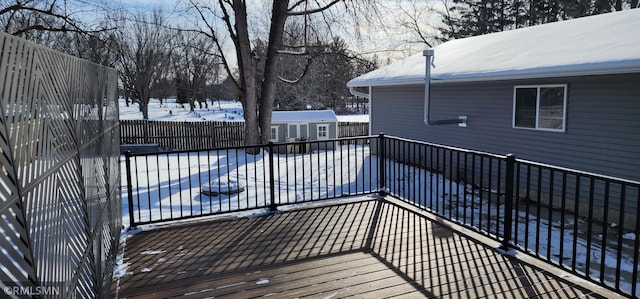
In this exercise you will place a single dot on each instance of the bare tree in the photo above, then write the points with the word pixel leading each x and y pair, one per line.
pixel 195 67
pixel 61 25
pixel 328 67
pixel 143 55
pixel 415 20
pixel 257 96
pixel 38 20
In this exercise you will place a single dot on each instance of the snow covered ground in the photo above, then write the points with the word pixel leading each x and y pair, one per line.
pixel 169 110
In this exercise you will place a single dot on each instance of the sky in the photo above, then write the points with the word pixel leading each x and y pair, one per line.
pixel 387 33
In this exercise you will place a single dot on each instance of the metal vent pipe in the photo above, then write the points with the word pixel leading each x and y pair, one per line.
pixel 429 53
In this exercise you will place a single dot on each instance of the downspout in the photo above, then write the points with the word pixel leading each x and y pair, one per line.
pixel 461 121
pixel 354 92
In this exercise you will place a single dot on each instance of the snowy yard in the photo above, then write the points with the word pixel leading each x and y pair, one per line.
pixel 169 110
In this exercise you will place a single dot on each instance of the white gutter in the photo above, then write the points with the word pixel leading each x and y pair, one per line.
pixel 461 121
pixel 356 93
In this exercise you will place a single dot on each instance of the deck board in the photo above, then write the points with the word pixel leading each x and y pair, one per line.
pixel 367 248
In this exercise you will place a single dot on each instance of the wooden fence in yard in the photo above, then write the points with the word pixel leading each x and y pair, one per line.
pixel 182 135
pixel 203 135
pixel 352 129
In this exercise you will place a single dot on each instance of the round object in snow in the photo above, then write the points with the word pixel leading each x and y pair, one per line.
pixel 222 186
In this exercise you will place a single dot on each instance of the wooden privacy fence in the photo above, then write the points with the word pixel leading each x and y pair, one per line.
pixel 352 129
pixel 203 135
pixel 182 135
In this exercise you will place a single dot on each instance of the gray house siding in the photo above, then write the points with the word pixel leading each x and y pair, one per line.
pixel 602 130
pixel 602 126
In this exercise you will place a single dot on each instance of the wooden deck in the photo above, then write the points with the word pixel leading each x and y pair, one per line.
pixel 368 248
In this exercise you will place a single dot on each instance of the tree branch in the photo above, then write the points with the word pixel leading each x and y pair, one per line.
pixel 312 11
pixel 304 73
pixel 216 41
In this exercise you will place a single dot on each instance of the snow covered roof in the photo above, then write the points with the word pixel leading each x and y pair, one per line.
pixel 303 116
pixel 602 44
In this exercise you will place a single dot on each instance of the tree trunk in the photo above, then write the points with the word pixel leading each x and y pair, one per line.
pixel 248 71
pixel 268 90
pixel 144 108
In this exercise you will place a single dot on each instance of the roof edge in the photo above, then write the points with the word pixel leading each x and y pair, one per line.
pixel 500 77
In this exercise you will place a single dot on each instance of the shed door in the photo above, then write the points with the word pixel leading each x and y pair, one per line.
pixel 293 131
pixel 304 131
pixel 298 131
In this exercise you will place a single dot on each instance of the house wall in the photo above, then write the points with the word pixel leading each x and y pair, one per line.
pixel 602 130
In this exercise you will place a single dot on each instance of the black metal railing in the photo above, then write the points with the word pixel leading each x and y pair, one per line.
pixel 582 222
pixel 185 184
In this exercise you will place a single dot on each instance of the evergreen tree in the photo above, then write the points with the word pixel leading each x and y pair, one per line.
pixel 476 17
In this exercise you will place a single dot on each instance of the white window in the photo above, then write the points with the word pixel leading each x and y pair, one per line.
pixel 274 133
pixel 540 107
pixel 323 132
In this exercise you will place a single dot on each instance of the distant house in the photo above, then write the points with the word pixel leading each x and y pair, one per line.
pixel 310 125
pixel 565 93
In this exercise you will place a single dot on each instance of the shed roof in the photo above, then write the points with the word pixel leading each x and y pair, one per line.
pixel 602 44
pixel 303 116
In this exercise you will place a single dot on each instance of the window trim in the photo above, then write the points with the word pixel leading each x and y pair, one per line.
pixel 275 138
pixel 537 117
pixel 326 126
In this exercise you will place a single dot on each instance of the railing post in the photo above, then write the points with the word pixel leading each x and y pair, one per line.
pixel 127 159
pixel 272 191
pixel 508 201
pixel 382 189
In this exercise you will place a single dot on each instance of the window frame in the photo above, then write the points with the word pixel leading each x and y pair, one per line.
pixel 276 137
pixel 326 126
pixel 537 127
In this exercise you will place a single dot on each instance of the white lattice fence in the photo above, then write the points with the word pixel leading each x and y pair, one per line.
pixel 59 183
